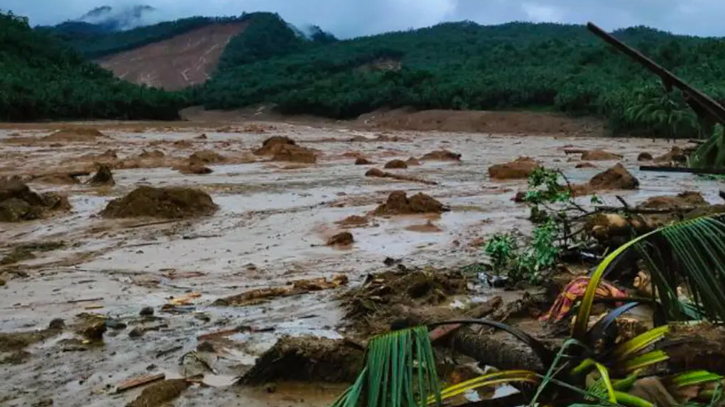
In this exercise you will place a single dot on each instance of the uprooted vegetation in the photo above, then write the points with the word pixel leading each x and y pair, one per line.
pixel 384 298
pixel 169 203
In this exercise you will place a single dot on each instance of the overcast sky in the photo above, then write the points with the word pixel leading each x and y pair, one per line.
pixel 346 18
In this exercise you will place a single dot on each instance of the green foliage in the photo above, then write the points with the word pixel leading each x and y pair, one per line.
pixel 710 154
pixel 267 36
pixel 468 66
pixel 39 79
pixel 93 44
pixel 662 112
pixel 540 257
pixel 399 371
pixel 501 248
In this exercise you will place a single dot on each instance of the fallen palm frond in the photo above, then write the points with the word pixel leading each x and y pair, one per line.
pixel 400 371
pixel 691 253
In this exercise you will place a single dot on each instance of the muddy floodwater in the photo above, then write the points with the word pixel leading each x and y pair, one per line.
pixel 273 221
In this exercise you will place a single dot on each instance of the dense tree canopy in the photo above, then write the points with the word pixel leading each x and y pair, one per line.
pixel 42 79
pixel 468 66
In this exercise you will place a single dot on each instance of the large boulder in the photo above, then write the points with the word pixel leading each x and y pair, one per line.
pixel 285 149
pixel 616 177
pixel 19 203
pixel 398 203
pixel 168 203
pixel 520 168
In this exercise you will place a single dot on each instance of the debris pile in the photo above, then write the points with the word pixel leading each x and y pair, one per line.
pixel 283 148
pixel 19 203
pixel 398 203
pixel 262 295
pixel 396 295
pixel 169 203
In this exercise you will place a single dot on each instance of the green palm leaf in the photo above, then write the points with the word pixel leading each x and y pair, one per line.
pixel 400 371
pixel 690 253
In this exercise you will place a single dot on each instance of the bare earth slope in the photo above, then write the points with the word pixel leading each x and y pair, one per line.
pixel 178 62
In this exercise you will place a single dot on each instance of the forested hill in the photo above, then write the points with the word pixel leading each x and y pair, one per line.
pixel 468 66
pixel 41 78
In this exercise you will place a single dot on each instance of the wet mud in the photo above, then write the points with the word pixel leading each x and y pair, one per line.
pixel 269 231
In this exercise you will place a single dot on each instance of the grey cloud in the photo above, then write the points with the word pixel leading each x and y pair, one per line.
pixel 346 18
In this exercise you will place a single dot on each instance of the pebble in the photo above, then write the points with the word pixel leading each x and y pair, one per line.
pixel 146 311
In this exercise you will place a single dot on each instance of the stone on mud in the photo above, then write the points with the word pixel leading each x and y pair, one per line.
pixel 599 155
pixel 194 168
pixel 398 203
pixel 152 154
pixel 19 203
pixel 362 161
pixel 616 177
pixel 159 393
pixel 103 176
pixel 520 168
pixel 441 155
pixel 283 148
pixel 341 239
pixel 168 203
pixel 412 161
pixel 396 164
pixel 205 157
pixel 644 157
pixel 585 165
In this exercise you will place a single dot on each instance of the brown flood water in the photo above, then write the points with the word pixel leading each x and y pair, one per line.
pixel 273 221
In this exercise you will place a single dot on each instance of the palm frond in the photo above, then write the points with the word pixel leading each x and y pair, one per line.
pixel 399 371
pixel 691 253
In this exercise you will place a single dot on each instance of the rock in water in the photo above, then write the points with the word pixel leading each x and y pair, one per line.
pixel 399 164
pixel 167 203
pixel 104 176
pixel 442 155
pixel 398 203
pixel 341 239
pixel 599 155
pixel 285 149
pixel 616 177
pixel 520 168
pixel 644 157
pixel 19 203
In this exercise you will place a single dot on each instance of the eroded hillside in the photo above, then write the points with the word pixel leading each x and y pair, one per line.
pixel 178 62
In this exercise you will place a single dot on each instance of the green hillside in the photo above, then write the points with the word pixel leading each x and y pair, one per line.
pixel 468 66
pixel 41 79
